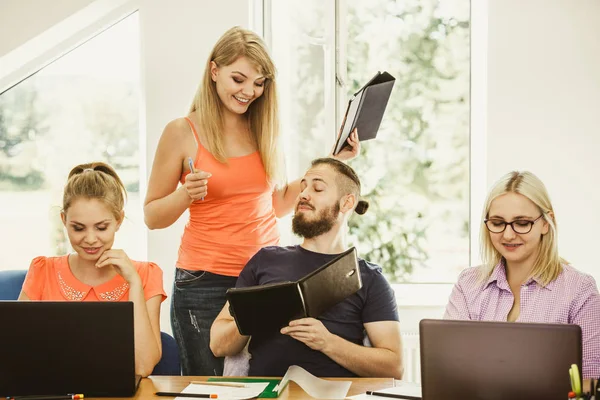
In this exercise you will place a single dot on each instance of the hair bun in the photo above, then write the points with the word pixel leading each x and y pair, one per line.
pixel 362 207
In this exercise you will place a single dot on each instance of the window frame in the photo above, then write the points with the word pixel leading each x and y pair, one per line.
pixel 66 35
pixel 416 294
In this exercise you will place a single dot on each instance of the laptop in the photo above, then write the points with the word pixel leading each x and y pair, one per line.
pixel 471 360
pixel 56 348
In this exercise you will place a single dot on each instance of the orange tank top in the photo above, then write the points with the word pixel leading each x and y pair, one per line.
pixel 235 219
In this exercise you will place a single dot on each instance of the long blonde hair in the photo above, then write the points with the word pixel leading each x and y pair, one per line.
pixel 548 264
pixel 262 114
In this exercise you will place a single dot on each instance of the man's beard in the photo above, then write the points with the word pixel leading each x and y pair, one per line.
pixel 309 229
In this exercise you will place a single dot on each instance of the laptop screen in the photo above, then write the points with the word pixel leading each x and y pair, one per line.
pixel 497 360
pixel 56 348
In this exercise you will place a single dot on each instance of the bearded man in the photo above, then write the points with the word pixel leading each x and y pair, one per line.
pixel 331 345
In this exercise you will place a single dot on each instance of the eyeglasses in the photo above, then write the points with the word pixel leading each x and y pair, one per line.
pixel 521 226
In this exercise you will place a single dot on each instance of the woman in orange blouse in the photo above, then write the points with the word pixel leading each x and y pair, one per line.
pixel 92 213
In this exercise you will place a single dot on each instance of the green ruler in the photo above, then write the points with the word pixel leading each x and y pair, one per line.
pixel 268 393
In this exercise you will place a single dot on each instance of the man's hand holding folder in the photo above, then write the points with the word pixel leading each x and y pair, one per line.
pixel 309 331
pixel 351 148
pixel 365 110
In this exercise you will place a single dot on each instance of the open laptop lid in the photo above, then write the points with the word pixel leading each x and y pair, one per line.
pixel 55 348
pixel 497 360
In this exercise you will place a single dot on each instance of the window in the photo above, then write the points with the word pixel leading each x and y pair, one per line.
pixel 83 107
pixel 416 174
pixel 301 42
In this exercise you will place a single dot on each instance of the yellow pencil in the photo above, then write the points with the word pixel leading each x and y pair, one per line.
pixel 230 384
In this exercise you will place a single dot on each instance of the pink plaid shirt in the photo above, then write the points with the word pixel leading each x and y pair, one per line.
pixel 572 298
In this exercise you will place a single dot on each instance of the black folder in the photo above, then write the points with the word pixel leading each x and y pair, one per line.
pixel 365 109
pixel 267 308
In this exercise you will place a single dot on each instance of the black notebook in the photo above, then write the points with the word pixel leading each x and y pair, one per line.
pixel 268 308
pixel 365 109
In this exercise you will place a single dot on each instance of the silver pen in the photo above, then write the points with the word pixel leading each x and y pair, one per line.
pixel 192 170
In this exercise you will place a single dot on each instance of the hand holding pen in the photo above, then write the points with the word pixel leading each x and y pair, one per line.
pixel 196 182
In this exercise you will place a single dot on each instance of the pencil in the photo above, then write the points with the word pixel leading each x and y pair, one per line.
pixel 47 397
pixel 393 396
pixel 230 384
pixel 196 395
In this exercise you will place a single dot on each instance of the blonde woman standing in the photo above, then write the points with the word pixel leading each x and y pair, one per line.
pixel 523 279
pixel 233 193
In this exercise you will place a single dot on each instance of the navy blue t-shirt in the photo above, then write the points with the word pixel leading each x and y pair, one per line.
pixel 273 354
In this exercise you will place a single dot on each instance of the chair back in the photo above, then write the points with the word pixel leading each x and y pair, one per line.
pixel 169 363
pixel 11 282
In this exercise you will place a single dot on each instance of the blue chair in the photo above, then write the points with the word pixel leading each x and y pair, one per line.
pixel 169 363
pixel 11 282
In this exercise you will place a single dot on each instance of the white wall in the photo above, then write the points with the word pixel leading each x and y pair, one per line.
pixel 22 20
pixel 177 37
pixel 31 43
pixel 543 109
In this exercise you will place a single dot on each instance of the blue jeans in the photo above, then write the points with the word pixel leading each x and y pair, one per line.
pixel 198 297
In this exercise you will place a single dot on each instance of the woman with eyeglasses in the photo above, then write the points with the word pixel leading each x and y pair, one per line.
pixel 523 278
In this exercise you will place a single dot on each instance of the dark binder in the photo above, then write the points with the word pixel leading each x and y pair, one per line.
pixel 268 308
pixel 365 109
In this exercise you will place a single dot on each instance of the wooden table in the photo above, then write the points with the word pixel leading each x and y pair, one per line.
pixel 153 384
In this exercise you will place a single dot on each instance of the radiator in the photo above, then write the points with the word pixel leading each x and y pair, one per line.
pixel 411 357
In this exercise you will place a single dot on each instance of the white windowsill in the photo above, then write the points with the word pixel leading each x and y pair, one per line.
pixel 422 294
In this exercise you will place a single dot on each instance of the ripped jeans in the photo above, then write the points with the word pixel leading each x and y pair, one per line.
pixel 198 297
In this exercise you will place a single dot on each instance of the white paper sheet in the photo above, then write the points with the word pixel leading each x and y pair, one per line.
pixel 315 387
pixel 252 389
pixel 407 389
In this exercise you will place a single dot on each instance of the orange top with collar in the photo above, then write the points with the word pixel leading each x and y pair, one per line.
pixel 235 219
pixel 51 279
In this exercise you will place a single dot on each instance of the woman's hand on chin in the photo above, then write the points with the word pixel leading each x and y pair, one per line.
pixel 122 264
